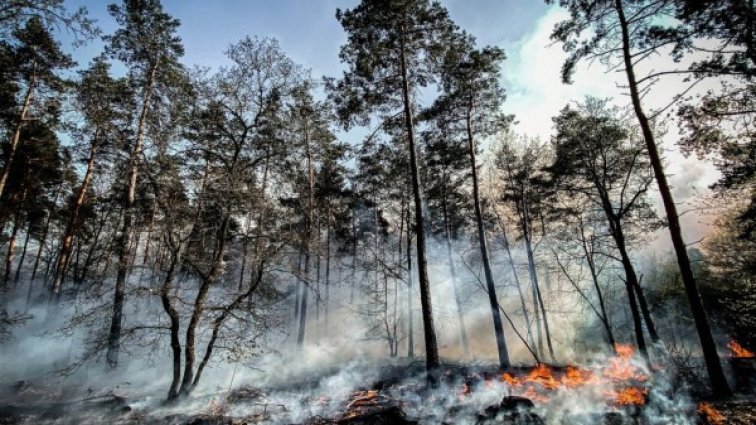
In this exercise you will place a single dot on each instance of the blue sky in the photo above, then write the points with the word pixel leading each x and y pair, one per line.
pixel 309 33
pixel 307 29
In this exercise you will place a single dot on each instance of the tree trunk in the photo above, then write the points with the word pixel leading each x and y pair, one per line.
pixel 114 337
pixel 327 268
pixel 66 244
pixel 307 236
pixel 595 278
pixel 11 248
pixel 646 312
pixel 519 286
pixel 410 325
pixel 23 256
pixel 453 270
pixel 17 135
pixel 537 298
pixel 501 344
pixel 429 332
pixel 43 240
pixel 303 300
pixel 175 323
pixel 199 306
pixel 713 364
pixel 222 318
pixel 354 255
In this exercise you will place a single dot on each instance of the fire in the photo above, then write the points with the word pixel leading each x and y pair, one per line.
pixel 621 368
pixel 630 396
pixel 575 377
pixel 544 376
pixel 738 351
pixel 619 375
pixel 713 416
pixel 510 380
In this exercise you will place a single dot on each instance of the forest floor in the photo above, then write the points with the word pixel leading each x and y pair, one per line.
pixel 392 394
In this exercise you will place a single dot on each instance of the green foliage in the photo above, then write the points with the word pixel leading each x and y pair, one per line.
pixel 379 33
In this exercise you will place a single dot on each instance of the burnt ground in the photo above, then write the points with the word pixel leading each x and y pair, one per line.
pixel 393 398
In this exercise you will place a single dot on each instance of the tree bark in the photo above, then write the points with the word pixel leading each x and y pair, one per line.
pixel 410 324
pixel 114 337
pixel 713 364
pixel 11 248
pixel 23 255
pixel 199 306
pixel 173 315
pixel 69 234
pixel 501 344
pixel 595 278
pixel 453 270
pixel 646 312
pixel 16 139
pixel 429 332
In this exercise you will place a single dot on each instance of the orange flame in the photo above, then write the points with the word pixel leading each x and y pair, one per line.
pixel 620 367
pixel 629 396
pixel 510 380
pixel 619 375
pixel 544 376
pixel 713 416
pixel 575 377
pixel 738 351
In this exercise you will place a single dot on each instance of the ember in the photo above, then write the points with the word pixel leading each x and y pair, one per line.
pixel 712 415
pixel 738 351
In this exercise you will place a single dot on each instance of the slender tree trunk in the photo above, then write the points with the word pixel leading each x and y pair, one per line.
pixel 713 364
pixel 519 286
pixel 23 255
pixel 537 298
pixel 222 318
pixel 245 246
pixel 429 332
pixel 354 255
pixel 114 338
pixel 68 235
pixel 307 237
pixel 410 325
pixel 327 268
pixel 646 312
pixel 318 299
pixel 303 301
pixel 173 315
pixel 631 278
pixel 501 344
pixel 453 270
pixel 199 306
pixel 150 226
pixel 43 240
pixel 599 293
pixel 16 139
pixel 11 248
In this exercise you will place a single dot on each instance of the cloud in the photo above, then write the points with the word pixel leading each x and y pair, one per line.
pixel 532 76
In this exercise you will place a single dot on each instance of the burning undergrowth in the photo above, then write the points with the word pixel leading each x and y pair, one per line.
pixel 621 388
pixel 617 389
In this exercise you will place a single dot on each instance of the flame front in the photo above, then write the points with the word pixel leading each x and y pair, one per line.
pixel 620 375
pixel 738 351
pixel 712 415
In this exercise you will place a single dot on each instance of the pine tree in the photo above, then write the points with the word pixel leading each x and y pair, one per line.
pixel 621 25
pixel 391 51
pixel 147 43
pixel 36 63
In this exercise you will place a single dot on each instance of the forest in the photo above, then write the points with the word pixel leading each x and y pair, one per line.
pixel 255 243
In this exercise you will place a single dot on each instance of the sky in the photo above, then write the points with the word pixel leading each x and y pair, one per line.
pixel 309 32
